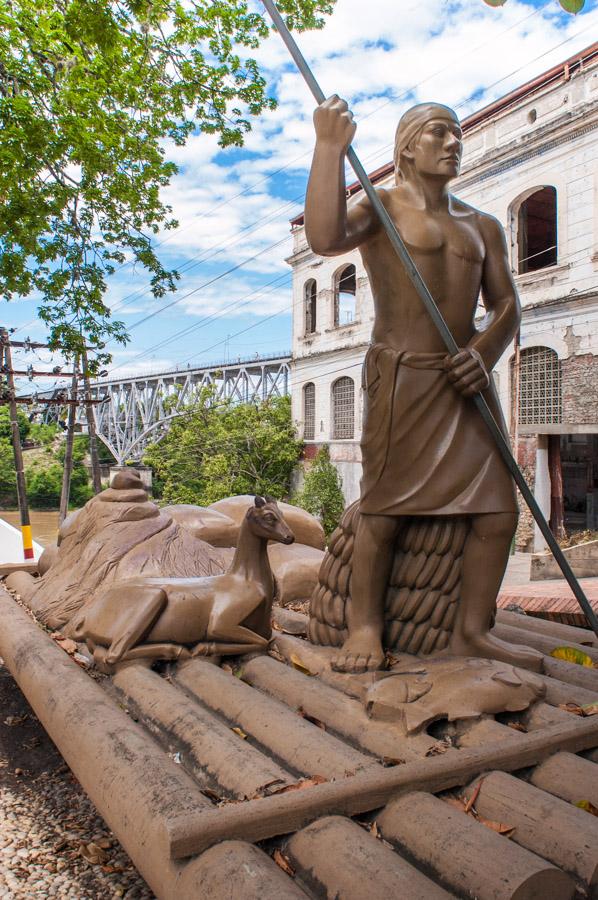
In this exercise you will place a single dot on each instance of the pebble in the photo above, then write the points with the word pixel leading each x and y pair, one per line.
pixel 43 821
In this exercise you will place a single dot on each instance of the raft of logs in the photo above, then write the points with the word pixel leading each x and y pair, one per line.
pixel 262 780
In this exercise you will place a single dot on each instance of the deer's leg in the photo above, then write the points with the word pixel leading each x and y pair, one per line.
pixel 235 634
pixel 216 649
pixel 147 606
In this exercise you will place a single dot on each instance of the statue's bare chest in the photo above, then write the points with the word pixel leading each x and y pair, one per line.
pixel 444 237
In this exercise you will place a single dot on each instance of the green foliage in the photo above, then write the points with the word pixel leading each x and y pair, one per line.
pixel 8 484
pixel 322 494
pixel 216 451
pixel 5 431
pixel 570 6
pixel 89 92
pixel 43 435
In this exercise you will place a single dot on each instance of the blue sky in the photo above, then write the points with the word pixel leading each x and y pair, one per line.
pixel 234 206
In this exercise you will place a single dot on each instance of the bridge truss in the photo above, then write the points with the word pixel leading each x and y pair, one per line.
pixel 138 411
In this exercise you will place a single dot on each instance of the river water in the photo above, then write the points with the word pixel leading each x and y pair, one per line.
pixel 44 524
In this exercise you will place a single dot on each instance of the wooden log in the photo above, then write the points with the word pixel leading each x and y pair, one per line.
pixel 297 742
pixel 581 676
pixel 340 859
pixel 563 634
pixel 544 824
pixel 542 642
pixel 558 692
pixel 290 621
pixel 126 774
pixel 217 756
pixel 484 732
pixel 341 714
pixel 471 859
pixel 235 869
pixel 568 776
pixel 257 820
pixel 542 714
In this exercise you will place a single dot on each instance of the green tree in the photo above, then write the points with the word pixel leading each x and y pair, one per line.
pixel 322 494
pixel 5 430
pixel 218 450
pixel 8 484
pixel 570 6
pixel 89 92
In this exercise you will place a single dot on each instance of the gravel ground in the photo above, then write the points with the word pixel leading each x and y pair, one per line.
pixel 53 843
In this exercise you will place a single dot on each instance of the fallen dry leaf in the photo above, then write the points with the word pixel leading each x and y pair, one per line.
pixel 269 787
pixel 301 712
pixel 573 708
pixel 499 827
pixel 275 654
pixel 67 645
pixel 300 785
pixel 517 726
pixel 439 747
pixel 374 830
pixel 573 655
pixel 93 853
pixel 393 761
pixel 588 806
pixel 240 732
pixel 297 664
pixel 590 709
pixel 281 860
pixel 471 802
pixel 11 721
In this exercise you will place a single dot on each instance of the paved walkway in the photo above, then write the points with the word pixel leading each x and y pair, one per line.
pixel 550 596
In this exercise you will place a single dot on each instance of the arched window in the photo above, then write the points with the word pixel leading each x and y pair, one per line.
pixel 310 291
pixel 309 412
pixel 345 286
pixel 539 386
pixel 536 231
pixel 343 409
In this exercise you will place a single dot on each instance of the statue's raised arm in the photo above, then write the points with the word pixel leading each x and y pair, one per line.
pixel 330 229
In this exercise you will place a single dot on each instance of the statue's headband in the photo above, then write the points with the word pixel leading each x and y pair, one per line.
pixel 414 120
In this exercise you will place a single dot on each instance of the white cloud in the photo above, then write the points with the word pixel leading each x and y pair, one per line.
pixel 462 53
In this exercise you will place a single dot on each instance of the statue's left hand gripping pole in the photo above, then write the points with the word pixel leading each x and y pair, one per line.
pixel 437 317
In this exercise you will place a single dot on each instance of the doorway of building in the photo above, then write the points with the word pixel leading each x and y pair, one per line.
pixel 579 463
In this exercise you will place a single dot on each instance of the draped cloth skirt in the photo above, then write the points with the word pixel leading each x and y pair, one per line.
pixel 425 448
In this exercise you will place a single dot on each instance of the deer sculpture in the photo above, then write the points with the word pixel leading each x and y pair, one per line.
pixel 174 618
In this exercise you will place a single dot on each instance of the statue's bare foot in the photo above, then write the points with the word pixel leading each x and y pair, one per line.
pixel 361 652
pixel 489 647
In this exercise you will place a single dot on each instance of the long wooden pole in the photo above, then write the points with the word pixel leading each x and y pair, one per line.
pixel 91 428
pixel 17 451
pixel 70 438
pixel 438 319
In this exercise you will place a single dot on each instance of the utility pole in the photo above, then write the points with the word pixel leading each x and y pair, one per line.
pixel 17 449
pixel 91 428
pixel 70 437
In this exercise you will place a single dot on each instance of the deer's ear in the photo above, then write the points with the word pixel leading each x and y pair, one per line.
pixel 259 502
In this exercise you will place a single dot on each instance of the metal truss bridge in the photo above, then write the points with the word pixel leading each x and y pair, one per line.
pixel 138 411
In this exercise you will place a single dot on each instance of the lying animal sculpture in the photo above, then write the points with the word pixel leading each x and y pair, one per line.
pixel 173 618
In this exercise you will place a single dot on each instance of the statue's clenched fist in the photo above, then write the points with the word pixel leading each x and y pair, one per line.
pixel 334 123
pixel 467 372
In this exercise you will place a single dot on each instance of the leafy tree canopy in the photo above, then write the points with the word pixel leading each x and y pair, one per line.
pixel 217 451
pixel 88 92
pixel 322 493
pixel 5 429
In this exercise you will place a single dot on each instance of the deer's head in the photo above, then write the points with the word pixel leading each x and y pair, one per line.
pixel 268 522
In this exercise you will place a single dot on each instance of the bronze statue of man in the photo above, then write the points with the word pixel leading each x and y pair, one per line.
pixel 425 449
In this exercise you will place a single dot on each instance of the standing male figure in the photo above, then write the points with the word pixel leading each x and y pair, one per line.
pixel 425 449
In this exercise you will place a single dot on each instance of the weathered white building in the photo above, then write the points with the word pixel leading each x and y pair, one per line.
pixel 531 160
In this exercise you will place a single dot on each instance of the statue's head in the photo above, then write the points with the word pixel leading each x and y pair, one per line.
pixel 428 141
